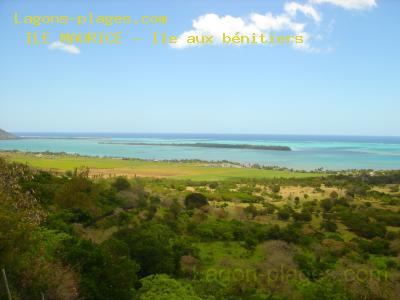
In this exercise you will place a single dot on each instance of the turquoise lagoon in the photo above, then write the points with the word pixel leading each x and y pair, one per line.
pixel 308 152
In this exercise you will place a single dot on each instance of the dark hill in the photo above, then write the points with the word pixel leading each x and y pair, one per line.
pixel 4 135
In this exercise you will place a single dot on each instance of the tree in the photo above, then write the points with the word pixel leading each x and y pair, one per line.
pixel 283 214
pixel 303 216
pixel 277 259
pixel 311 265
pixel 363 226
pixel 172 215
pixel 154 247
pixel 78 194
pixel 251 210
pixel 329 225
pixel 103 275
pixel 195 200
pixel 275 188
pixel 326 204
pixel 151 212
pixel 250 242
pixel 121 184
pixel 270 209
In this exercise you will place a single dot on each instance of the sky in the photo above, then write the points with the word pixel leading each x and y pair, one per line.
pixel 344 80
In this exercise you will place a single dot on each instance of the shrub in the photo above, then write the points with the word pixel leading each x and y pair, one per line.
pixel 275 188
pixel 329 225
pixel 304 216
pixel 154 246
pixel 121 184
pixel 251 210
pixel 326 204
pixel 195 200
pixel 102 275
pixel 283 214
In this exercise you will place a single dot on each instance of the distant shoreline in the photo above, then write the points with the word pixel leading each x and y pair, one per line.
pixel 306 153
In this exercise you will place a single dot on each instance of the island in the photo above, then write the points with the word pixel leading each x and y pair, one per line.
pixel 206 145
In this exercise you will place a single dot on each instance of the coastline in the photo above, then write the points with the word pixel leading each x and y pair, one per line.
pixel 306 153
pixel 204 163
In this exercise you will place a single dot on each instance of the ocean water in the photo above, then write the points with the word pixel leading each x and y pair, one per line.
pixel 309 152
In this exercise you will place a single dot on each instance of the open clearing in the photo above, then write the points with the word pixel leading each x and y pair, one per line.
pixel 110 167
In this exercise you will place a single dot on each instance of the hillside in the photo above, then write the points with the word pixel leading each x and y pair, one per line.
pixel 4 135
pixel 73 237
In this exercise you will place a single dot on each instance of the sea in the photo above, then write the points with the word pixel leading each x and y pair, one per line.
pixel 309 152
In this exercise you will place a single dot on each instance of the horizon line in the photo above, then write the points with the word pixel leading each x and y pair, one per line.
pixel 208 133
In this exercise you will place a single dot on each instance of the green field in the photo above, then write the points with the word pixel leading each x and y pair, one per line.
pixel 109 167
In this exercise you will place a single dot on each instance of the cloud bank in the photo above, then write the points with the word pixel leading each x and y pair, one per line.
pixel 283 23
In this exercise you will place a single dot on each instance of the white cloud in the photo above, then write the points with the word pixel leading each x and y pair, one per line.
pixel 212 24
pixel 71 49
pixel 268 22
pixel 181 42
pixel 350 4
pixel 285 23
pixel 292 8
pixel 215 25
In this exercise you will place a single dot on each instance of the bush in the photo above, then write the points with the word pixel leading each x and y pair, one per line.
pixel 155 247
pixel 251 210
pixel 326 204
pixel 284 213
pixel 329 225
pixel 311 266
pixel 121 184
pixel 195 200
pixel 275 188
pixel 304 216
pixel 102 275
pixel 362 226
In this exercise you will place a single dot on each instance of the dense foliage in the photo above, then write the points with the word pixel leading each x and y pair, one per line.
pixel 71 237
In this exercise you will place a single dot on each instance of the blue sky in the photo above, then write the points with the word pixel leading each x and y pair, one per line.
pixel 344 81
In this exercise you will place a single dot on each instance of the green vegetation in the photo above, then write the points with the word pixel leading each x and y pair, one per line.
pixel 195 200
pixel 67 235
pixel 107 167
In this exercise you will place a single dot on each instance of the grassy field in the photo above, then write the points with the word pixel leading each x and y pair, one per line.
pixel 109 167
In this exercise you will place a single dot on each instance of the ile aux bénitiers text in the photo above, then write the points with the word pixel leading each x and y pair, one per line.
pixel 116 37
